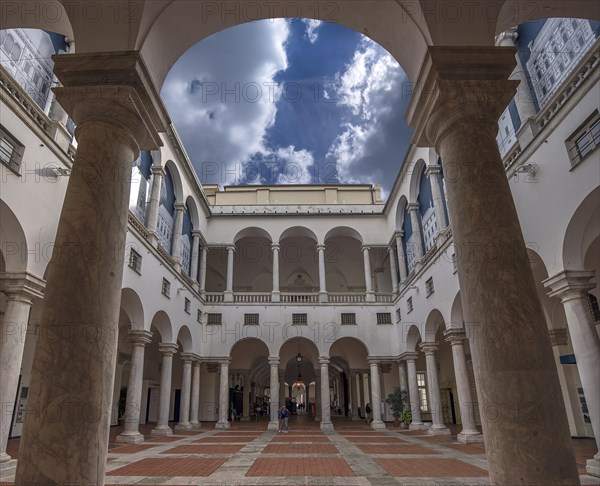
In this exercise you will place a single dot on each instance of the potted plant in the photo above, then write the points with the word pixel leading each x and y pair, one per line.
pixel 396 403
pixel 405 418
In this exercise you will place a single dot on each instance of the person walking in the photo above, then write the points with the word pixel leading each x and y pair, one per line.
pixel 284 417
pixel 368 411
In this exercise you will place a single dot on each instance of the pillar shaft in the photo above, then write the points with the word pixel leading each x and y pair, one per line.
pixel 131 433
pixel 195 399
pixel 246 398
pixel 433 173
pixel 322 274
pixel 325 397
pixel 401 258
pixel 402 376
pixel 433 390
pixel 177 229
pixel 470 91
pixel 361 390
pixel 413 391
pixel 223 422
pixel 393 271
pixel 166 372
pixel 154 204
pixel 202 279
pixel 377 423
pixel 274 398
pixel 318 395
pixel 13 332
pixel 353 395
pixel 195 251
pixel 185 399
pixel 275 249
pixel 415 222
pixel 229 282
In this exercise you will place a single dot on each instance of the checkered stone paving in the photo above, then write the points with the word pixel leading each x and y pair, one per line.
pixel 249 454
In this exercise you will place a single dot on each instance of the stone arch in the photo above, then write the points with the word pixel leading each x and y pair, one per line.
pixel 352 350
pixel 434 321
pixel 192 208
pixel 413 336
pixel 249 353
pixel 292 345
pixel 400 212
pixel 415 180
pixel 132 305
pixel 13 243
pixel 184 336
pixel 297 232
pixel 457 319
pixel 163 326
pixel 582 231
pixel 553 309
pixel 252 232
pixel 343 231
pixel 171 167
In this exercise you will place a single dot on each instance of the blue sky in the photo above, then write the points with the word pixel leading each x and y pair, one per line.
pixel 289 102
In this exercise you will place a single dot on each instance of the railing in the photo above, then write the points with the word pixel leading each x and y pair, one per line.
pixel 384 298
pixel 341 298
pixel 299 298
pixel 214 297
pixel 512 155
pixel 137 224
pixel 252 297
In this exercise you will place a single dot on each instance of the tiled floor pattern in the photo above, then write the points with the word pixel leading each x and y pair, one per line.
pixel 352 455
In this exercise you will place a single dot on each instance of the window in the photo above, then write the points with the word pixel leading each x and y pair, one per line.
pixel 299 319
pixel 11 151
pixel 215 319
pixel 422 391
pixel 186 306
pixel 409 305
pixel 250 319
pixel 199 315
pixel 594 308
pixel 166 288
pixel 348 318
pixel 398 315
pixel 384 318
pixel 429 287
pixel 585 139
pixel 135 261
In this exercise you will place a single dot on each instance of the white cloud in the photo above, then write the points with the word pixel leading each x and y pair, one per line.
pixel 296 165
pixel 222 96
pixel 311 29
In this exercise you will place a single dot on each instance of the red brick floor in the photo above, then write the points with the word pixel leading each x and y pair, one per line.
pixel 197 466
pixel 433 468
pixel 382 440
pixel 304 466
pixel 300 448
pixel 219 439
pixel 204 449
pixel 395 449
pixel 130 448
pixel 299 438
pixel 159 439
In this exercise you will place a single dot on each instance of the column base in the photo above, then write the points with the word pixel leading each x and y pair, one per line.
pixel 326 425
pixel 323 297
pixel 162 431
pixel 273 426
pixel 439 431
pixel 183 427
pixel 592 466
pixel 8 466
pixel 222 425
pixel 378 425
pixel 245 419
pixel 470 438
pixel 196 425
pixel 418 426
pixel 130 438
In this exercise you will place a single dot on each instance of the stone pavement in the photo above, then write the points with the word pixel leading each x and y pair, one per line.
pixel 353 454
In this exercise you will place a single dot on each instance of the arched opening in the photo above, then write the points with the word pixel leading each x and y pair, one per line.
pixel 344 268
pixel 253 268
pixel 298 261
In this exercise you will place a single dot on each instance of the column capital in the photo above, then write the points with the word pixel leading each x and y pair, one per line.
pixel 455 335
pixel 413 206
pixel 391 250
pixel 570 284
pixel 168 349
pixel 374 361
pixel 224 361
pixel 409 356
pixel 364 248
pixel 179 206
pixel 139 337
pixel 158 170
pixel 558 337
pixel 113 88
pixel 459 84
pixel 197 233
pixel 188 357
pixel 433 170
pixel 273 360
pixel 324 360
pixel 429 348
pixel 22 286
pixel 230 248
pixel 399 234
pixel 275 246
pixel 321 247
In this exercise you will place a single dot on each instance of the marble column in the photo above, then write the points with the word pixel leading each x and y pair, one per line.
pixel 469 91
pixel 325 397
pixel 275 294
pixel 322 274
pixel 400 255
pixel 433 174
pixel 377 423
pixel 195 251
pixel 393 271
pixel 413 391
pixel 229 283
pixel 274 398
pixel 369 294
pixel 246 397
pixel 281 387
pixel 117 112
pixel 131 433
pixel 572 287
pixel 318 395
pixel 177 229
pixel 202 278
pixel 433 391
pixel 402 376
pixel 469 433
pixel 19 298
pixel 415 222
pixel 354 395
pixel 162 426
pixel 154 205
pixel 185 398
pixel 361 389
pixel 195 399
pixel 223 422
